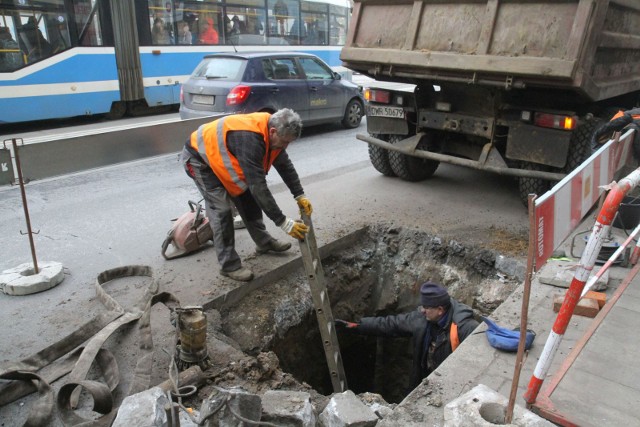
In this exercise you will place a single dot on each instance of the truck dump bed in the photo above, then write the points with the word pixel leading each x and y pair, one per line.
pixel 590 46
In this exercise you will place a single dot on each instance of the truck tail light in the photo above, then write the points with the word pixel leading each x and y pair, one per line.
pixel 376 95
pixel 238 95
pixel 555 121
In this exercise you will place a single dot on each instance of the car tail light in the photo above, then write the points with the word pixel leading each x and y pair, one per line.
pixel 182 94
pixel 238 95
pixel 555 121
pixel 375 95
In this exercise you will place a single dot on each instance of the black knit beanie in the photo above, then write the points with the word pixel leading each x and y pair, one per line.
pixel 434 295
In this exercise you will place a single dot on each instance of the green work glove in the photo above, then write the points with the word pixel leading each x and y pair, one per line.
pixel 294 229
pixel 304 204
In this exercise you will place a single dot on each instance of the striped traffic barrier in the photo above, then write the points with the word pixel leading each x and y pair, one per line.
pixel 584 268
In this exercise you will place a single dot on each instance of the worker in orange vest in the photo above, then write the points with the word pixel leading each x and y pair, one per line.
pixel 438 327
pixel 229 158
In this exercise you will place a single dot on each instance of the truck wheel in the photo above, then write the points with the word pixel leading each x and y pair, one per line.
pixel 411 168
pixel 580 146
pixel 380 157
pixel 528 186
pixel 353 114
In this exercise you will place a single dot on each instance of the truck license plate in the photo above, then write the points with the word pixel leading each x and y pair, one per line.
pixel 203 99
pixel 382 111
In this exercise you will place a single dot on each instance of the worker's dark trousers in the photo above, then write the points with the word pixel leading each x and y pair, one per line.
pixel 218 207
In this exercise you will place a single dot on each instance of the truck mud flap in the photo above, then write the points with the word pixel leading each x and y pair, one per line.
pixel 490 160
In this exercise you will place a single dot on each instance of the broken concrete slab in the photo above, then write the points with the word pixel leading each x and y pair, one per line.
pixel 147 408
pixel 288 408
pixel 483 407
pixel 346 410
pixel 22 280
pixel 560 273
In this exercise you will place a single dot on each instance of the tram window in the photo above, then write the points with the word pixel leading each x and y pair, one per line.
pixel 282 14
pixel 87 23
pixel 338 27
pixel 315 19
pixel 204 21
pixel 11 57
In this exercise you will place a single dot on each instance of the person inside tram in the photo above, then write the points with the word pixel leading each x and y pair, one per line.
pixel 209 35
pixel 184 35
pixel 10 53
pixel 237 26
pixel 281 13
pixel 35 45
pixel 159 33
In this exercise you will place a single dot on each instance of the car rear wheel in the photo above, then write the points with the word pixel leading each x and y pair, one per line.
pixel 353 114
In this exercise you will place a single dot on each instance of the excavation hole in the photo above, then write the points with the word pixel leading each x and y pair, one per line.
pixel 379 275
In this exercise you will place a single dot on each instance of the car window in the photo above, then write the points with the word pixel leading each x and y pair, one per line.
pixel 280 69
pixel 315 70
pixel 221 68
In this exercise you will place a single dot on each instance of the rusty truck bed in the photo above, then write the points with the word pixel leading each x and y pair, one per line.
pixel 585 45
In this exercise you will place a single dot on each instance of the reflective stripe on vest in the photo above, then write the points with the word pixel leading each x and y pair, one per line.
pixel 453 337
pixel 214 152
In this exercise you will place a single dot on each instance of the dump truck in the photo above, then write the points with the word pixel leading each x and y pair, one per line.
pixel 514 87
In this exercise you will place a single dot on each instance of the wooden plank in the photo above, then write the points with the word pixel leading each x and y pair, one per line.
pixel 488 27
pixel 414 25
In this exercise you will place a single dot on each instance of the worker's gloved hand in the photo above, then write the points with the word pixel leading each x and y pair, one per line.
pixel 304 204
pixel 343 325
pixel 294 228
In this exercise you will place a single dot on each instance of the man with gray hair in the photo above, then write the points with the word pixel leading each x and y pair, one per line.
pixel 229 158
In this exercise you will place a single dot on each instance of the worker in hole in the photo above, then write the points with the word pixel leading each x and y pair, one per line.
pixel 437 327
pixel 229 159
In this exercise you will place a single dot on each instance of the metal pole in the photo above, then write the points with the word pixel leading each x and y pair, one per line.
pixel 525 310
pixel 25 207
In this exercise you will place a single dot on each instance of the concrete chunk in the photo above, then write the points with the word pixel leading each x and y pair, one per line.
pixel 346 410
pixel 560 273
pixel 483 407
pixel 288 408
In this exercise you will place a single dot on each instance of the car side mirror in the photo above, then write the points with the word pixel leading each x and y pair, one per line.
pixel 337 76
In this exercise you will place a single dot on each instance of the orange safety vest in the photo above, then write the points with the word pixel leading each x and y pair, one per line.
pixel 453 337
pixel 210 140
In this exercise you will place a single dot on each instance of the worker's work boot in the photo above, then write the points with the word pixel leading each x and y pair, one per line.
pixel 242 274
pixel 274 246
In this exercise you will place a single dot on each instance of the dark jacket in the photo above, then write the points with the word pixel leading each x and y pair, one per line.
pixel 414 324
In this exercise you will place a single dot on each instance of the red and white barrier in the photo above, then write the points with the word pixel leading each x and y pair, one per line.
pixel 560 210
pixel 585 266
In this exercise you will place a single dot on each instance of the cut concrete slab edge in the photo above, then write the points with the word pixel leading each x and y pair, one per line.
pixel 20 280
